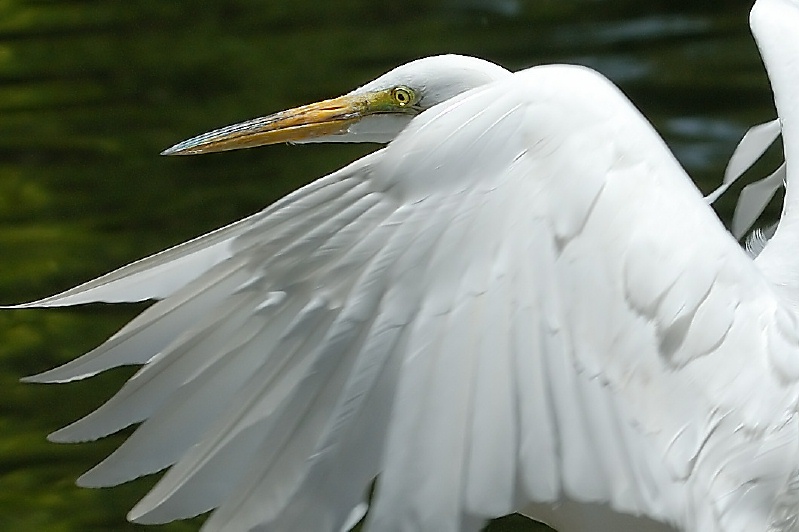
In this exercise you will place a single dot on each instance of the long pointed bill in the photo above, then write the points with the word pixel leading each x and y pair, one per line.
pixel 328 117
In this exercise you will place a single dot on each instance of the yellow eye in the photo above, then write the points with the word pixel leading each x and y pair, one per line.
pixel 403 96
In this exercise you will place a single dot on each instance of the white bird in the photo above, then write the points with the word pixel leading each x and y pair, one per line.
pixel 521 303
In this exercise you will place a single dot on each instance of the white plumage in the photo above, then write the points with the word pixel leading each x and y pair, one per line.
pixel 521 303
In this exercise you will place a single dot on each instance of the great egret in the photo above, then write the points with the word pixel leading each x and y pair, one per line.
pixel 522 302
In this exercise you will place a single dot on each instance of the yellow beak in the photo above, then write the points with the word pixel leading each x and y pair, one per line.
pixel 328 117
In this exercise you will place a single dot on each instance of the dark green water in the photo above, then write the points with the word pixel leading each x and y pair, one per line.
pixel 91 91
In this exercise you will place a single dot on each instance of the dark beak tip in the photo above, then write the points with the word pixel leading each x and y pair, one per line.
pixel 177 149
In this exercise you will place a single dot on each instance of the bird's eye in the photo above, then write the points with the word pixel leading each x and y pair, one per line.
pixel 403 96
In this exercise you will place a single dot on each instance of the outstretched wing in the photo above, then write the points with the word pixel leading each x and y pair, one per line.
pixel 522 298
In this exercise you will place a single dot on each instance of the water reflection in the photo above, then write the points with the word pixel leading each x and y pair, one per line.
pixel 90 92
pixel 634 31
pixel 507 8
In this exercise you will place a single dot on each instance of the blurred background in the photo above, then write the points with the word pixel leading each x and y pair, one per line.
pixel 91 91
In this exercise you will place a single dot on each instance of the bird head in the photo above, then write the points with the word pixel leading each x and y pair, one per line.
pixel 375 112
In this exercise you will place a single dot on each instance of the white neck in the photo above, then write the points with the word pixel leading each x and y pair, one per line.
pixel 775 25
